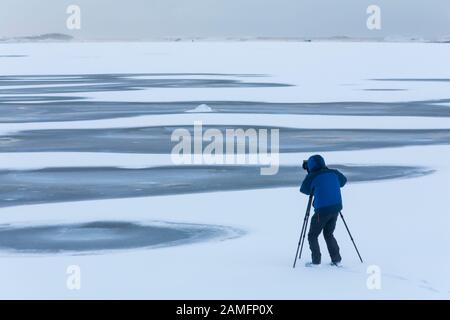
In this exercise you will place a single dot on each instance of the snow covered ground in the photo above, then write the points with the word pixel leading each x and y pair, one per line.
pixel 400 225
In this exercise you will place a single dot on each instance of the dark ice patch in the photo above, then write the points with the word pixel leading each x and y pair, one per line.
pixel 105 236
pixel 50 108
pixel 384 90
pixel 157 140
pixel 12 56
pixel 116 82
pixel 20 187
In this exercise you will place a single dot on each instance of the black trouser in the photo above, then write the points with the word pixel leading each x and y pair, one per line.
pixel 327 223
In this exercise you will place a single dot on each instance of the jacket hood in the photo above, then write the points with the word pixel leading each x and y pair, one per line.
pixel 316 163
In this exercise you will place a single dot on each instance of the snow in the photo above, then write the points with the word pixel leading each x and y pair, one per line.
pixel 201 109
pixel 399 225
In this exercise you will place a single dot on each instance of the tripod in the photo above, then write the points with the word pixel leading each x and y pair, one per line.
pixel 301 240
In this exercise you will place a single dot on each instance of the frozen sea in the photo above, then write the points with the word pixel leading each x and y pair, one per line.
pixel 86 176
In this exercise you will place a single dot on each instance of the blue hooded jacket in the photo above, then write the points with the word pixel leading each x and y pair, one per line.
pixel 326 185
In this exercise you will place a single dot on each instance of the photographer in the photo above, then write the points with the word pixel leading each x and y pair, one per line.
pixel 325 185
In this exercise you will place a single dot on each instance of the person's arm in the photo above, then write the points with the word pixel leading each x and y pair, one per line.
pixel 342 178
pixel 306 185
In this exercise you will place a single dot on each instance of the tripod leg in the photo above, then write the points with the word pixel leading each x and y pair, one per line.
pixel 304 235
pixel 351 238
pixel 303 232
pixel 299 242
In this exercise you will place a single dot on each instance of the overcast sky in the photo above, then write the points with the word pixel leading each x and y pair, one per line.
pixel 144 19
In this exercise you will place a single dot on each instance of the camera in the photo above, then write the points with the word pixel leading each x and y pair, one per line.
pixel 305 165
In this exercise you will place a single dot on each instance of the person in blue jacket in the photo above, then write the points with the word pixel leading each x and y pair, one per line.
pixel 325 185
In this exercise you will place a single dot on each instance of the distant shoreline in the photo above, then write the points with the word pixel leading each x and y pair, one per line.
pixel 64 38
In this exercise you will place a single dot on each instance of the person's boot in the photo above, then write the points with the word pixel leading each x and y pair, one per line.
pixel 336 264
pixel 312 265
